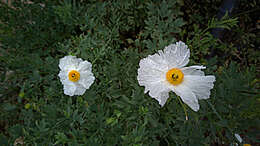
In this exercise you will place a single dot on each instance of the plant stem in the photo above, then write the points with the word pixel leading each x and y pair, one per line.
pixel 184 108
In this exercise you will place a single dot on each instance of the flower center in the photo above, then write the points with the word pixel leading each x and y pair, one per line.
pixel 74 75
pixel 174 76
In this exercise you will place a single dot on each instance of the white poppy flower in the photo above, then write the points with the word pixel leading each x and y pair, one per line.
pixel 75 75
pixel 165 71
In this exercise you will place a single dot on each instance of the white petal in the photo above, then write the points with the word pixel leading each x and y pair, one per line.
pixel 199 85
pixel 69 62
pixel 158 91
pixel 86 79
pixel 193 70
pixel 151 72
pixel 187 96
pixel 238 138
pixel 163 98
pixel 84 66
pixel 177 55
pixel 80 90
pixel 69 88
pixel 146 77
pixel 63 75
pixel 155 62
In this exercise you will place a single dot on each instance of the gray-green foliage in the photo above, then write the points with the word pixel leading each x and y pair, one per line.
pixel 113 36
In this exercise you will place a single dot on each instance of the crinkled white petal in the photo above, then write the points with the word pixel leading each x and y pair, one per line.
pixel 84 66
pixel 69 62
pixel 151 72
pixel 199 85
pixel 159 92
pixel 162 98
pixel 154 62
pixel 177 55
pixel 69 88
pixel 147 78
pixel 187 96
pixel 86 79
pixel 238 137
pixel 63 75
pixel 193 70
pixel 80 90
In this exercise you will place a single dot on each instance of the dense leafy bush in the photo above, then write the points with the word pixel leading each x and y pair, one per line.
pixel 114 36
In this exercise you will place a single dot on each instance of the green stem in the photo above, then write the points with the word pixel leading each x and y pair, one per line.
pixel 183 106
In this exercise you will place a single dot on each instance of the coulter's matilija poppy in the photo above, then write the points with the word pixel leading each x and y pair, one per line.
pixel 75 75
pixel 165 71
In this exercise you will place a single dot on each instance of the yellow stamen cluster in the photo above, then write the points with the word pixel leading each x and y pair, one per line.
pixel 74 75
pixel 174 76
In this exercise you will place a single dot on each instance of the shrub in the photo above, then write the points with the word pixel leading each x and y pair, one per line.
pixel 114 36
